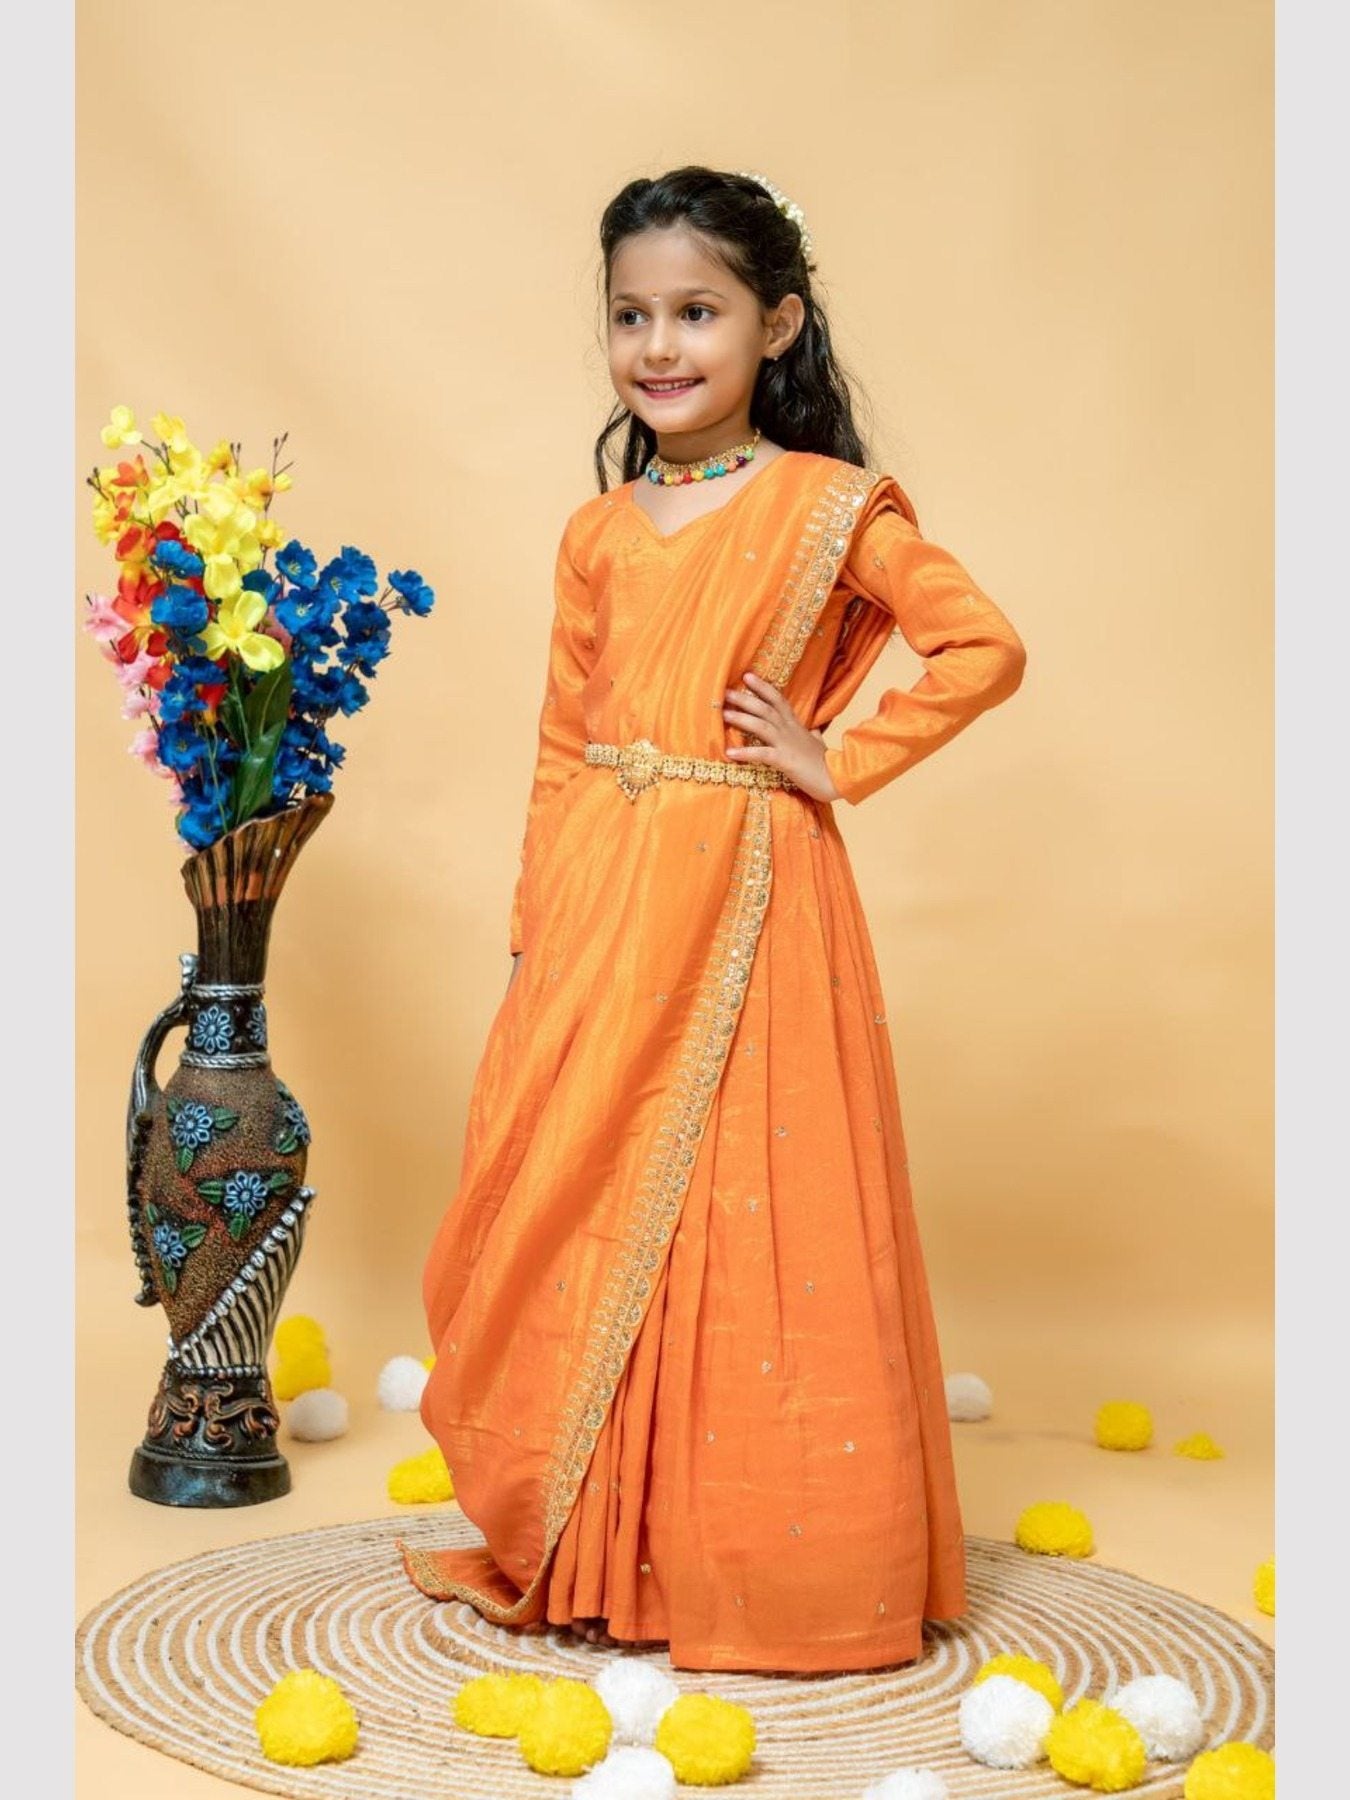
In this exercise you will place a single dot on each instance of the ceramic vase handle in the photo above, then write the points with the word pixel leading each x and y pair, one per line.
pixel 143 1089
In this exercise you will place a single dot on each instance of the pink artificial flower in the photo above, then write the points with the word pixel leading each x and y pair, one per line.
pixel 175 788
pixel 135 673
pixel 145 745
pixel 140 703
pixel 101 619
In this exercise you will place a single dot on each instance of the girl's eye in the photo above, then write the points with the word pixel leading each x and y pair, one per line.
pixel 625 312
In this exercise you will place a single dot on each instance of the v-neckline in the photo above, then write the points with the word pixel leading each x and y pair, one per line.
pixel 664 537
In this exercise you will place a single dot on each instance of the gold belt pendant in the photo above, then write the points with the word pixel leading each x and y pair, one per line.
pixel 641 764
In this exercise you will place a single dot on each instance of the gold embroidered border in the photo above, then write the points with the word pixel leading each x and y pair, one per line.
pixel 622 1307
pixel 815 565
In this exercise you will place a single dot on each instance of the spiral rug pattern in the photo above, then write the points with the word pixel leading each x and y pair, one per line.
pixel 181 1658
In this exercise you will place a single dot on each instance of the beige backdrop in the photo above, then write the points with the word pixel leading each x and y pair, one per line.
pixel 1045 236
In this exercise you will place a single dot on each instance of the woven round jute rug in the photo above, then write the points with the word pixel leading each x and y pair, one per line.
pixel 180 1659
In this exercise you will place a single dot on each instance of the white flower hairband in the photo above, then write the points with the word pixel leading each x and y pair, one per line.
pixel 788 208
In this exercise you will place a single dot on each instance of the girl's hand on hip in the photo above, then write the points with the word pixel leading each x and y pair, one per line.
pixel 786 744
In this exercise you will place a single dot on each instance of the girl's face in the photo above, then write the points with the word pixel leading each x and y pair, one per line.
pixel 678 315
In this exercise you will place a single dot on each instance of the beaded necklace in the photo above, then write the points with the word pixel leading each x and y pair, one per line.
pixel 671 474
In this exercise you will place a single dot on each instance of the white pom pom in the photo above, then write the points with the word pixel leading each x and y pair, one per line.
pixel 316 1415
pixel 401 1382
pixel 968 1397
pixel 908 1784
pixel 1004 1722
pixel 636 1693
pixel 628 1774
pixel 1165 1713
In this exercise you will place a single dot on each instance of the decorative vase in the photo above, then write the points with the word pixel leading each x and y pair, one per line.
pixel 215 1171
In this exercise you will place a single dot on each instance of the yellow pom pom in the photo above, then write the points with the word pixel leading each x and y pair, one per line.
pixel 1096 1747
pixel 1263 1587
pixel 1025 1668
pixel 1053 1528
pixel 1124 1425
pixel 567 1729
pixel 306 1719
pixel 496 1705
pixel 298 1332
pixel 299 1371
pixel 708 1740
pixel 1232 1772
pixel 1199 1445
pixel 428 1362
pixel 421 1480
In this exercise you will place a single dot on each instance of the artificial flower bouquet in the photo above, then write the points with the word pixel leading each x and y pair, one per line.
pixel 235 670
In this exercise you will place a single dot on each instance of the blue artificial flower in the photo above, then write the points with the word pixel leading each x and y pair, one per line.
pixel 416 596
pixel 353 694
pixel 176 558
pixel 180 747
pixel 261 581
pixel 339 579
pixel 317 691
pixel 200 829
pixel 364 619
pixel 296 564
pixel 362 569
pixel 201 671
pixel 178 698
pixel 179 609
pixel 305 612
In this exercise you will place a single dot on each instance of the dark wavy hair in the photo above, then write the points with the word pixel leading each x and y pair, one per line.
pixel 802 401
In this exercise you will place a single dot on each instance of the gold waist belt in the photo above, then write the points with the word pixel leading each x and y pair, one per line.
pixel 641 765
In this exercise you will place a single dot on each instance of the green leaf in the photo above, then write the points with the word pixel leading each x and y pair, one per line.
pixel 151 1213
pixel 172 1107
pixel 268 702
pixel 288 1143
pixel 223 1118
pixel 279 1180
pixel 184 1158
pixel 212 1191
pixel 192 1235
pixel 238 1225
pixel 233 719
pixel 170 1277
pixel 254 775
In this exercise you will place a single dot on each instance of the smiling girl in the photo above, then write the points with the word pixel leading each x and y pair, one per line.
pixel 688 1383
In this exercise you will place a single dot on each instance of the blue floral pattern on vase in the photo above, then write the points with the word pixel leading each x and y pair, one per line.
pixel 193 1124
pixel 213 1030
pixel 172 1240
pixel 244 1195
pixel 293 1126
pixel 257 1025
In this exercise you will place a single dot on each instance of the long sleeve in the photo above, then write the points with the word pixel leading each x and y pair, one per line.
pixel 974 656
pixel 562 725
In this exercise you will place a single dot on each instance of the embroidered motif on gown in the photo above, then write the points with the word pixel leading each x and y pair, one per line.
pixel 687 1373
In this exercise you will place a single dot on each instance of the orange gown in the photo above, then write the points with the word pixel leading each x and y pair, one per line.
pixel 687 1377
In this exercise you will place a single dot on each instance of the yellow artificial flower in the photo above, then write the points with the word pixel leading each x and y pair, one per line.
pixel 171 431
pixel 270 535
pixel 187 464
pixel 220 578
pixel 221 459
pixel 121 428
pixel 233 631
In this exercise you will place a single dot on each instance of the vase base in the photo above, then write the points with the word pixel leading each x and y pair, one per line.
pixel 180 1481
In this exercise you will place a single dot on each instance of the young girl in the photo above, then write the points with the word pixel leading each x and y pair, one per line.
pixel 687 1380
